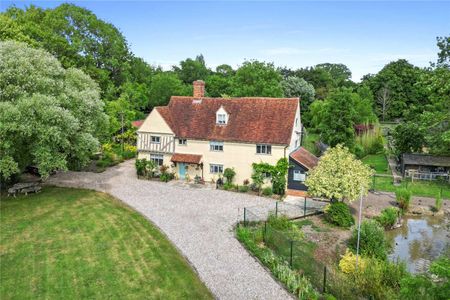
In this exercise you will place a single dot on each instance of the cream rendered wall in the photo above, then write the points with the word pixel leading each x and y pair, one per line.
pixel 296 136
pixel 237 155
pixel 155 123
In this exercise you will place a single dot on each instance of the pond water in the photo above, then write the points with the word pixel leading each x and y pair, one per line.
pixel 419 241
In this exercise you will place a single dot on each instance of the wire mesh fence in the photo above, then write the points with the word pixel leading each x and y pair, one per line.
pixel 304 208
pixel 293 249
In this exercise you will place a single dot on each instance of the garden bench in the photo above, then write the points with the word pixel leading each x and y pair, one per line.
pixel 24 188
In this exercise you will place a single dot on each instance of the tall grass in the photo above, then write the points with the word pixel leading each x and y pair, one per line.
pixel 370 141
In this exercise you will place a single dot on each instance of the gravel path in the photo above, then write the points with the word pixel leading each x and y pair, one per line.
pixel 198 221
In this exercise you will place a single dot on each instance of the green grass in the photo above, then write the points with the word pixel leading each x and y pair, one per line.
pixel 79 244
pixel 418 188
pixel 378 162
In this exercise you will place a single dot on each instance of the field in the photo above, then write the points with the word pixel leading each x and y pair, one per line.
pixel 80 244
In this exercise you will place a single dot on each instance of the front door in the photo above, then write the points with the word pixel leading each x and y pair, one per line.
pixel 181 170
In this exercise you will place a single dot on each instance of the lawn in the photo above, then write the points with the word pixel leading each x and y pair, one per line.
pixel 418 188
pixel 79 244
pixel 378 162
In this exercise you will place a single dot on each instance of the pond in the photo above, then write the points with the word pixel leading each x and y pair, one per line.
pixel 419 241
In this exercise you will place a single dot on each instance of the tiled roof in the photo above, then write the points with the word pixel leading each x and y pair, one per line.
pixel 426 160
pixel 186 158
pixel 251 120
pixel 305 158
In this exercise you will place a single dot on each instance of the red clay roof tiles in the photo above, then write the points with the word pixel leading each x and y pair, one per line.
pixel 305 158
pixel 251 120
pixel 186 158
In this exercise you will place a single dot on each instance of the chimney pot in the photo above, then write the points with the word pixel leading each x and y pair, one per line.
pixel 199 88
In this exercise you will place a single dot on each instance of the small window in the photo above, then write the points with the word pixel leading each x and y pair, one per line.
pixel 182 142
pixel 221 119
pixel 216 146
pixel 215 169
pixel 296 143
pixel 296 122
pixel 157 158
pixel 267 175
pixel 263 149
pixel 155 139
pixel 299 176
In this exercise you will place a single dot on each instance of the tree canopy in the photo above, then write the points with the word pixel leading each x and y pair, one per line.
pixel 339 175
pixel 255 78
pixel 334 118
pixel 50 117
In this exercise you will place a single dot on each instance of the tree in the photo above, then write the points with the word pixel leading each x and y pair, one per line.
pixel 335 117
pixel 49 117
pixel 340 73
pixel 191 70
pixel 384 100
pixel 339 175
pixel 218 85
pixel 401 77
pixel 321 79
pixel 298 87
pixel 76 37
pixel 408 138
pixel 443 44
pixel 257 79
pixel 164 85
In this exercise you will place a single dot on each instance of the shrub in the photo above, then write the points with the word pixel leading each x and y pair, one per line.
pixel 254 187
pixel 166 177
pixel 403 197
pixel 347 264
pixel 140 166
pixel 229 174
pixel 244 188
pixel 228 186
pixel 246 182
pixel 338 213
pixel 372 240
pixel 388 217
pixel 267 191
pixel 279 222
pixel 438 203
pixel 379 279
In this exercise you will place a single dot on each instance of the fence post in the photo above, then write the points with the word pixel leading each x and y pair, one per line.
pixel 265 231
pixel 290 258
pixel 245 215
pixel 276 209
pixel 324 279
pixel 373 182
pixel 304 208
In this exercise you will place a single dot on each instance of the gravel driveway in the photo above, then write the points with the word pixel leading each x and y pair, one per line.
pixel 198 221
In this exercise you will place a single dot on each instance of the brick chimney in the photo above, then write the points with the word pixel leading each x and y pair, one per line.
pixel 199 88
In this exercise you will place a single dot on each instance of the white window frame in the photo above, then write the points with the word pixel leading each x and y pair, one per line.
pixel 264 149
pixel 298 175
pixel 215 168
pixel 155 139
pixel 221 119
pixel 182 142
pixel 157 158
pixel 216 146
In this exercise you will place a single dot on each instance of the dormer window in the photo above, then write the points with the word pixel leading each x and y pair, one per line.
pixel 221 116
pixel 221 119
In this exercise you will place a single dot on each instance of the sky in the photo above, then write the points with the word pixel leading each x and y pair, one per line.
pixel 365 35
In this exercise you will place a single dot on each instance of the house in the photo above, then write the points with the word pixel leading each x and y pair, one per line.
pixel 424 166
pixel 201 136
